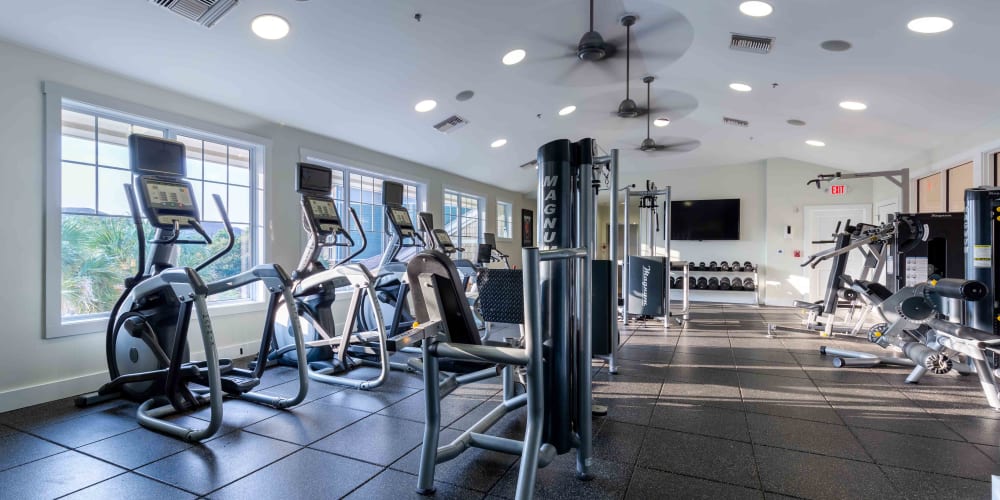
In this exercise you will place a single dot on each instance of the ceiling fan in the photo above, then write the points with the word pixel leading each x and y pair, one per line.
pixel 592 46
pixel 628 108
pixel 677 145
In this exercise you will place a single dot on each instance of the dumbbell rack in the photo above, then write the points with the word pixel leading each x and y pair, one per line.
pixel 696 272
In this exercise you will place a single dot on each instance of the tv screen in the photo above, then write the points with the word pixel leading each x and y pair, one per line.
pixel 314 179
pixel 156 156
pixel 392 193
pixel 705 220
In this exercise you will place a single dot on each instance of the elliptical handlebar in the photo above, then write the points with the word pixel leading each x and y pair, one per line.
pixel 140 232
pixel 229 232
pixel 364 239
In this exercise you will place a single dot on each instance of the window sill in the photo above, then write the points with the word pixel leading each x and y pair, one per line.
pixel 100 324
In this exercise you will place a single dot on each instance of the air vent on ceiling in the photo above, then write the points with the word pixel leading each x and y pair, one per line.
pixel 750 43
pixel 451 124
pixel 735 122
pixel 204 12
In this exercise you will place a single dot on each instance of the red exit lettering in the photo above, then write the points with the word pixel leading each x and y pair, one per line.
pixel 839 189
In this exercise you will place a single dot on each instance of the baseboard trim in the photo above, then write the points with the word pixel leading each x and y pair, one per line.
pixel 14 399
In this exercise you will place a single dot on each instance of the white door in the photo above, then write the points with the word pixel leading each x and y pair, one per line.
pixel 884 209
pixel 820 224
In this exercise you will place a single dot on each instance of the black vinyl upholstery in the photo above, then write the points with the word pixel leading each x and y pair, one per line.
pixel 457 313
pixel 501 296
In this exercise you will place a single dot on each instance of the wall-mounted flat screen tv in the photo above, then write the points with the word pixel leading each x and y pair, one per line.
pixel 705 220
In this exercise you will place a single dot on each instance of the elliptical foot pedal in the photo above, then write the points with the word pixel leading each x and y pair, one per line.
pixel 599 410
pixel 236 385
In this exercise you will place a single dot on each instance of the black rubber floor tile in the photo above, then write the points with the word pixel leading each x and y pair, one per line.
pixel 721 361
pixel 802 435
pixel 649 483
pixel 807 475
pixel 53 412
pixel 135 448
pixel 397 485
pixel 618 441
pixel 512 419
pixel 218 462
pixel 377 439
pixel 974 430
pixel 370 401
pixel 303 474
pixel 817 411
pixel 991 452
pixel 239 413
pixel 704 375
pixel 307 423
pixel 453 407
pixel 475 469
pixel 55 476
pixel 707 394
pixel 276 376
pixel 628 409
pixel 918 485
pixel 627 385
pixel 558 480
pixel 949 457
pixel 18 448
pixel 646 353
pixel 647 369
pixel 700 456
pixel 129 485
pixel 90 427
pixel 317 390
pixel 697 419
pixel 770 368
pixel 901 419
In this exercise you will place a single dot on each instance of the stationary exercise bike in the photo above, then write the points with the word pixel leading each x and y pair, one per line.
pixel 329 356
pixel 147 334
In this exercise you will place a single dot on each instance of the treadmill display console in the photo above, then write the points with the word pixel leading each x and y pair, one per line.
pixel 443 239
pixel 401 218
pixel 324 212
pixel 168 201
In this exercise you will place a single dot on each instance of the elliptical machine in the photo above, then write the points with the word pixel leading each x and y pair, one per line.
pixel 391 287
pixel 147 333
pixel 315 288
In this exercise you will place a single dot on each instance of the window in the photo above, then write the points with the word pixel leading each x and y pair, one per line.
pixel 959 179
pixel 92 238
pixel 365 197
pixel 463 220
pixel 505 220
pixel 929 194
pixel 944 191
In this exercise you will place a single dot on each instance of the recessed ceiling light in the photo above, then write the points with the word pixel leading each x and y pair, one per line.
pixel 930 25
pixel 513 57
pixel 425 105
pixel 740 87
pixel 661 122
pixel 756 8
pixel 854 105
pixel 796 123
pixel 464 95
pixel 814 142
pixel 567 110
pixel 270 27
pixel 499 143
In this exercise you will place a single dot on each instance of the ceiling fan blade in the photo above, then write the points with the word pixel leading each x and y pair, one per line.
pixel 569 72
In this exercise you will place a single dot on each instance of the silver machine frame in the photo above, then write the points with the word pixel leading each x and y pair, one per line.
pixel 685 288
pixel 556 283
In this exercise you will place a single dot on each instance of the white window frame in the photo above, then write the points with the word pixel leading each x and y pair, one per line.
pixel 347 166
pixel 54 95
pixel 510 221
pixel 481 202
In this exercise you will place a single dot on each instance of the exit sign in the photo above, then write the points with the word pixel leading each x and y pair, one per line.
pixel 838 189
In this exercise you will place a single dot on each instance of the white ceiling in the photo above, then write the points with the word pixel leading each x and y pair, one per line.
pixel 354 69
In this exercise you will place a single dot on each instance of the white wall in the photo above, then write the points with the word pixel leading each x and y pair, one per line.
pixel 787 194
pixel 37 370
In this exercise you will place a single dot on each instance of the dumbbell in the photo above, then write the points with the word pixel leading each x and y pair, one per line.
pixel 748 284
pixel 702 283
pixel 748 266
pixel 724 266
pixel 692 282
pixel 675 282
pixel 701 267
pixel 736 267
pixel 713 266
pixel 737 283
pixel 713 283
pixel 725 284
